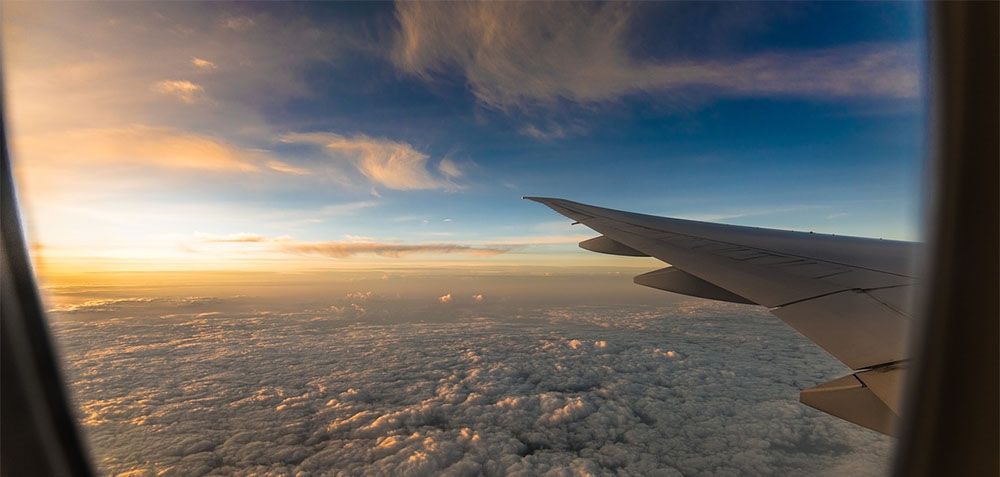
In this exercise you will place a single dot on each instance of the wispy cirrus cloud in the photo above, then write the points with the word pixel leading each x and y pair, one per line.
pixel 349 248
pixel 203 64
pixel 183 90
pixel 146 146
pixel 286 168
pixel 241 237
pixel 237 22
pixel 392 164
pixel 519 55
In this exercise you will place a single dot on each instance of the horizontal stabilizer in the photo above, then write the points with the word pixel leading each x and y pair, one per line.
pixel 672 279
pixel 849 399
pixel 603 244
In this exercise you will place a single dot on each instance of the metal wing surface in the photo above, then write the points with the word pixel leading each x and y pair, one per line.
pixel 848 295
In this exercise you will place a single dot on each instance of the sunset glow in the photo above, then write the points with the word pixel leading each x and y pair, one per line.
pixel 289 239
pixel 169 137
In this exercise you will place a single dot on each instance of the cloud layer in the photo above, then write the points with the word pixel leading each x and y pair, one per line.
pixel 368 385
pixel 522 54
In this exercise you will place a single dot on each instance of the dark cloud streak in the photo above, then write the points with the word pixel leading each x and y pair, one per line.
pixel 347 249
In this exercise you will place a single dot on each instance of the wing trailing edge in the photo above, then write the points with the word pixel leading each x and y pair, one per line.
pixel 849 295
pixel 851 400
pixel 674 280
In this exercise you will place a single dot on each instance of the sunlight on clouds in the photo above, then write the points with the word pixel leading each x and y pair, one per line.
pixel 350 247
pixel 239 238
pixel 449 168
pixel 392 164
pixel 202 63
pixel 368 385
pixel 183 90
pixel 123 158
pixel 525 54
pixel 336 249
pixel 276 165
pixel 140 145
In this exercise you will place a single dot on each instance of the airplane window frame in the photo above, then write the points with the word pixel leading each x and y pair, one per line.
pixel 952 416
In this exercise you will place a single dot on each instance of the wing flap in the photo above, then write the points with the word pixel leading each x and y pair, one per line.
pixel 850 325
pixel 886 382
pixel 604 244
pixel 849 399
pixel 672 279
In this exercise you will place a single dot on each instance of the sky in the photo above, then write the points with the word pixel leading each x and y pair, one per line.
pixel 282 238
pixel 167 136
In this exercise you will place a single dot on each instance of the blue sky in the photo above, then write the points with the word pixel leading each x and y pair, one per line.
pixel 249 125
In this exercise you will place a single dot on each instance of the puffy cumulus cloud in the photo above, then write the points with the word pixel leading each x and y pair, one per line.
pixel 522 54
pixel 446 298
pixel 183 90
pixel 392 164
pixel 360 295
pixel 351 389
pixel 478 298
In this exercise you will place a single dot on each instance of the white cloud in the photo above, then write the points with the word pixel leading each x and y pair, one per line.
pixel 524 54
pixel 279 166
pixel 449 168
pixel 183 90
pixel 446 298
pixel 202 63
pixel 214 389
pixel 391 164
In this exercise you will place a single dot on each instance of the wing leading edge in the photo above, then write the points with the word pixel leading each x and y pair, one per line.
pixel 849 295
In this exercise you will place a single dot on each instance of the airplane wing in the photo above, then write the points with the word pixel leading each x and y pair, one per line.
pixel 848 295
